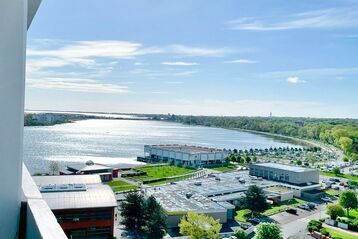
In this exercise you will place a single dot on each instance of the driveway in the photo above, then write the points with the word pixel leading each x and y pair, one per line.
pixel 295 225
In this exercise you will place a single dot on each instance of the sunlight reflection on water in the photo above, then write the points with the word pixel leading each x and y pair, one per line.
pixel 121 141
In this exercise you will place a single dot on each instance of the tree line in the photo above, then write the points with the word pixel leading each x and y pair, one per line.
pixel 342 133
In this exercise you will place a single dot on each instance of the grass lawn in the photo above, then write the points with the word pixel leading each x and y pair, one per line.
pixel 122 188
pixel 347 176
pixel 164 171
pixel 117 183
pixel 142 178
pixel 283 206
pixel 241 215
pixel 343 235
pixel 229 167
pixel 332 192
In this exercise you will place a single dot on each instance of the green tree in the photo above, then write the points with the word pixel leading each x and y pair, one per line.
pixel 336 171
pixel 255 199
pixel 240 234
pixel 299 162
pixel 132 212
pixel 268 231
pixel 199 226
pixel 54 168
pixel 348 200
pixel 155 218
pixel 334 211
pixel 345 143
pixel 247 159
pixel 311 157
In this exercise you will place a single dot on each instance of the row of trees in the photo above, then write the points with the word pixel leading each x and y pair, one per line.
pixel 144 217
pixel 199 226
pixel 342 133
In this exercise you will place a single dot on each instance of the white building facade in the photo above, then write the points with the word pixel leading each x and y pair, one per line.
pixel 192 156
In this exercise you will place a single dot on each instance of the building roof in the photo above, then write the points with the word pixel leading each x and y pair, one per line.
pixel 206 195
pixel 186 148
pixel 96 196
pixel 84 167
pixel 67 179
pixel 285 167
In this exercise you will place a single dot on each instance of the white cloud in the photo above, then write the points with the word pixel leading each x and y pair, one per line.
pixel 241 61
pixel 76 85
pixel 179 63
pixel 294 80
pixel 198 51
pixel 317 19
pixel 185 73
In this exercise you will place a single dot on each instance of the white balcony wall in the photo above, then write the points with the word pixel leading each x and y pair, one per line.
pixel 13 26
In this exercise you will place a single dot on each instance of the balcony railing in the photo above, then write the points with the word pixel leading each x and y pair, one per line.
pixel 36 220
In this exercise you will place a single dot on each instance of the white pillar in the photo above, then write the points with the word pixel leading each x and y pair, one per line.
pixel 13 25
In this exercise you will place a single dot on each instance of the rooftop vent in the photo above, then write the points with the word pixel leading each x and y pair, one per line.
pixel 62 188
pixel 197 183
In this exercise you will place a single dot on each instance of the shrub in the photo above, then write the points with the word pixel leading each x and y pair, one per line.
pixel 334 211
pixel 314 225
pixel 240 234
pixel 324 231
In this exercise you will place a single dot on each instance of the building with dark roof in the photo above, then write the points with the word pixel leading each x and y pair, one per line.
pixel 106 173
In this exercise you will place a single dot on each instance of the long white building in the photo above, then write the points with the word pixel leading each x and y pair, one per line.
pixel 185 155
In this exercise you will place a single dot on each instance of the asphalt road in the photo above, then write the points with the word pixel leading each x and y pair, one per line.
pixel 295 225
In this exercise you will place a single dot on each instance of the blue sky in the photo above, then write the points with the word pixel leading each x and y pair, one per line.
pixel 291 58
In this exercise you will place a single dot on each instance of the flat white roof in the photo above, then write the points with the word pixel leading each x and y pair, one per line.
pixel 67 179
pixel 96 194
pixel 285 167
pixel 190 149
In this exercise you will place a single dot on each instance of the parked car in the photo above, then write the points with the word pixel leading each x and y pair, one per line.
pixel 334 180
pixel 254 221
pixel 291 210
pixel 304 207
pixel 245 225
pixel 327 199
pixel 311 205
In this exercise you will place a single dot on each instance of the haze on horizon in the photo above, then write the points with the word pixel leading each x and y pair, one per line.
pixel 195 57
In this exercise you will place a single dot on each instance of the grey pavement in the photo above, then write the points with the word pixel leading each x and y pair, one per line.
pixel 295 225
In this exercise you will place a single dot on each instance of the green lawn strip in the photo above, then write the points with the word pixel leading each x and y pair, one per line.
pixel 241 215
pixel 164 171
pixel 283 206
pixel 347 176
pixel 117 183
pixel 336 233
pixel 142 178
pixel 122 188
pixel 225 168
pixel 332 192
pixel 164 181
